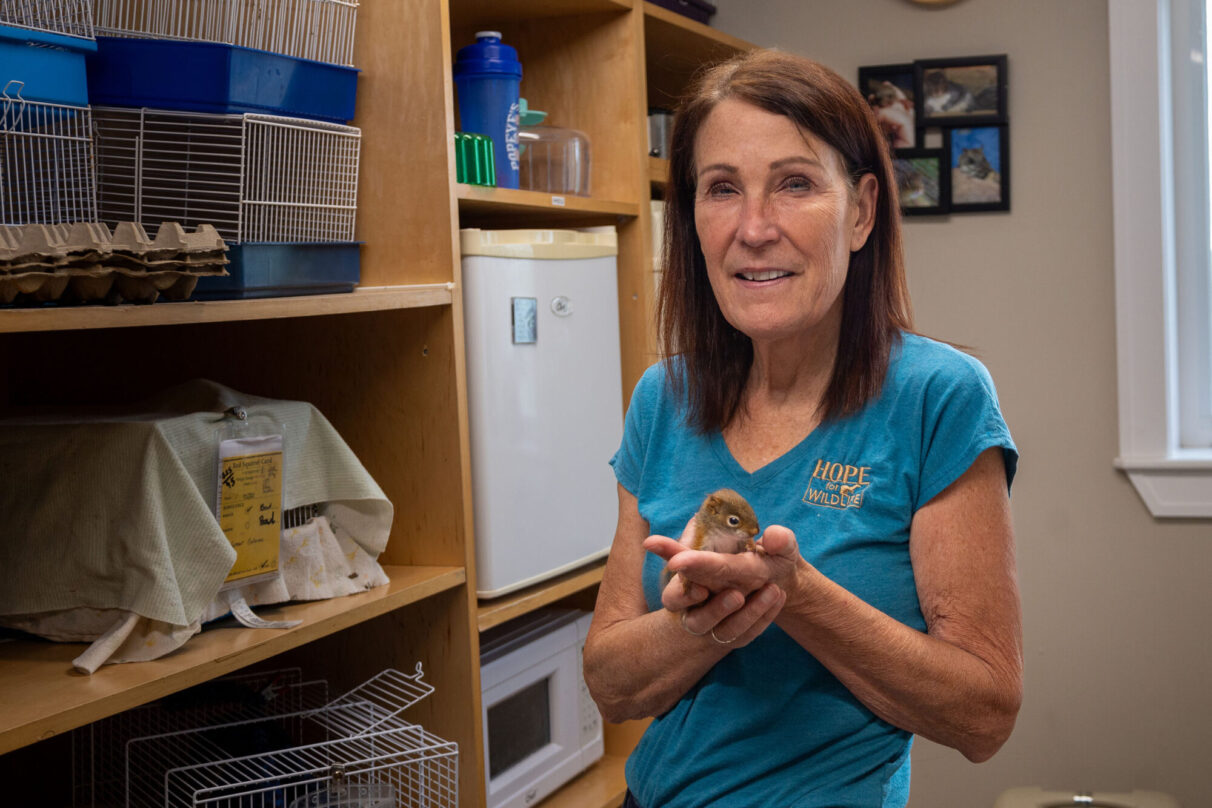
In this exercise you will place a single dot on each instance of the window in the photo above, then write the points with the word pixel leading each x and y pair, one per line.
pixel 1163 253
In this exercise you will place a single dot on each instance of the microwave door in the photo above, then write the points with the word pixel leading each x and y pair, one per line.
pixel 531 732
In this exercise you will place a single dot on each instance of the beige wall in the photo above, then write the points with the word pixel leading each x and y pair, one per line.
pixel 1117 606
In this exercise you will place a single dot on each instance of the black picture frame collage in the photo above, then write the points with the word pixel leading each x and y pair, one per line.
pixel 958 105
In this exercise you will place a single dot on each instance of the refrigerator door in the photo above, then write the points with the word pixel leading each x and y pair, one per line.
pixel 545 406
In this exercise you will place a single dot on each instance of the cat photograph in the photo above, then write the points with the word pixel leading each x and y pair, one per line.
pixel 978 161
pixel 890 92
pixel 922 180
pixel 958 92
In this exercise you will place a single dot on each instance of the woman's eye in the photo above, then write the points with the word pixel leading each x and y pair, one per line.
pixel 798 183
pixel 719 189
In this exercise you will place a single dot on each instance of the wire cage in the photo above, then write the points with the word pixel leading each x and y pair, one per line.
pixel 70 17
pixel 99 749
pixel 353 752
pixel 322 30
pixel 256 178
pixel 47 169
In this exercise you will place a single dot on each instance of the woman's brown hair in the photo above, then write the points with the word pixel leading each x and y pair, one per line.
pixel 715 357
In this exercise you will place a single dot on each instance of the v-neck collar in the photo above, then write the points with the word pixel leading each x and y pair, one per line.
pixel 766 473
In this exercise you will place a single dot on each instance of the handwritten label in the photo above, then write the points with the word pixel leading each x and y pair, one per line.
pixel 558 201
pixel 250 504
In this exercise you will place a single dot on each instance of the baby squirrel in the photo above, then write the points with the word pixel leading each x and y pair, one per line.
pixel 724 523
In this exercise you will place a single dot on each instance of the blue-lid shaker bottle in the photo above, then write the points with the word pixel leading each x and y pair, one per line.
pixel 487 76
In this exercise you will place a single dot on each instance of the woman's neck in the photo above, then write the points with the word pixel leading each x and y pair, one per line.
pixel 793 372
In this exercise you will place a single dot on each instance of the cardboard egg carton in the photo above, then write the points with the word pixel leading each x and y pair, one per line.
pixel 85 262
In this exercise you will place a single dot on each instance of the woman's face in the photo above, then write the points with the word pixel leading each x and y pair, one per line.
pixel 777 221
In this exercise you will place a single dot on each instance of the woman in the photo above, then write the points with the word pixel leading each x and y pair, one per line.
pixel 882 601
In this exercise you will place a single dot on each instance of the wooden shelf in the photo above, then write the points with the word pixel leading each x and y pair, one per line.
pixel 658 170
pixel 675 48
pixel 44 697
pixel 480 13
pixel 688 35
pixel 499 610
pixel 489 204
pixel 602 785
pixel 362 299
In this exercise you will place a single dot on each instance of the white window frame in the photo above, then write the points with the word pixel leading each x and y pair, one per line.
pixel 1173 480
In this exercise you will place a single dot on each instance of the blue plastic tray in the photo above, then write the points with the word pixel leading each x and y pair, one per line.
pixel 213 77
pixel 50 66
pixel 275 269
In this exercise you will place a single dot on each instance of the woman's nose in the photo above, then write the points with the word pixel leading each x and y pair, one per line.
pixel 757 226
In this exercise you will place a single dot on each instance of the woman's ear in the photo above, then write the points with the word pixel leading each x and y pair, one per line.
pixel 866 194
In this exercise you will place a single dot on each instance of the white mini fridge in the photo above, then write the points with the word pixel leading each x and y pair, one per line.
pixel 545 400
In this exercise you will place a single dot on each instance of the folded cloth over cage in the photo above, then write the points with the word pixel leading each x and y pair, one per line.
pixel 111 531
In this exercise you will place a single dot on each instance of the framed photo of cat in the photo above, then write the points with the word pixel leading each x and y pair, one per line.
pixel 947 123
pixel 889 89
pixel 961 92
pixel 923 179
pixel 978 160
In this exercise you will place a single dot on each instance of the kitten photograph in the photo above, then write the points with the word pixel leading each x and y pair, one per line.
pixel 959 92
pixel 977 158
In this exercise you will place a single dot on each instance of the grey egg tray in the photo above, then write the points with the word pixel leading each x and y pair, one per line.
pixel 86 263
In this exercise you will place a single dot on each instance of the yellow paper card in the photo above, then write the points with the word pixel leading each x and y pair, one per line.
pixel 250 504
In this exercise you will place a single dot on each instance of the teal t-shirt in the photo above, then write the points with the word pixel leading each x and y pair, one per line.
pixel 769 725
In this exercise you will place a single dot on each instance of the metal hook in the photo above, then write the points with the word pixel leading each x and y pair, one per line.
pixel 20 86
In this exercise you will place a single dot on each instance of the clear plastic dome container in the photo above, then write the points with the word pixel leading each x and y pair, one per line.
pixel 554 160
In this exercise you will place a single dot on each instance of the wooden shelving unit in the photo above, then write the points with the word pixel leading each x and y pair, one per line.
pixel 501 610
pixel 658 171
pixel 384 364
pixel 600 786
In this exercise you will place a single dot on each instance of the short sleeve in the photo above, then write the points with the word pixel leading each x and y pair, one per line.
pixel 961 418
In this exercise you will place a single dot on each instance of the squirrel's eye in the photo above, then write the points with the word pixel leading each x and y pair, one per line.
pixel 733 520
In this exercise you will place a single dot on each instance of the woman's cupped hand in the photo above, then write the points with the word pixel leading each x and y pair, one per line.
pixel 733 596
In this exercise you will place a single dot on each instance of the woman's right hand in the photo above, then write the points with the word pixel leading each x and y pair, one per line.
pixel 730 616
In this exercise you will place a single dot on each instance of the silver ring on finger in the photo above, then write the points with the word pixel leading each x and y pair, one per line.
pixel 688 631
pixel 721 642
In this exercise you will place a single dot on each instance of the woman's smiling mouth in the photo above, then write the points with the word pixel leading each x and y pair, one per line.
pixel 763 275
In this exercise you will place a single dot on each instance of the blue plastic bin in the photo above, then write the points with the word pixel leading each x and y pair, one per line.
pixel 283 269
pixel 214 77
pixel 49 66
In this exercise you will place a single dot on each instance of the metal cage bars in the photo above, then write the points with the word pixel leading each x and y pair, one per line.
pixel 71 17
pixel 256 178
pixel 47 171
pixel 322 30
pixel 254 742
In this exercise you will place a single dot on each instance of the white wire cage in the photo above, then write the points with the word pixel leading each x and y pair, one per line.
pixel 70 17
pixel 47 168
pixel 354 752
pixel 256 178
pixel 322 30
pixel 99 749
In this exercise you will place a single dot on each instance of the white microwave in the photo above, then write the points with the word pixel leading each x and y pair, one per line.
pixel 541 728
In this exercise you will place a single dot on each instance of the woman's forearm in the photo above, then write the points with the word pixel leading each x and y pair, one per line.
pixel 921 683
pixel 642 666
